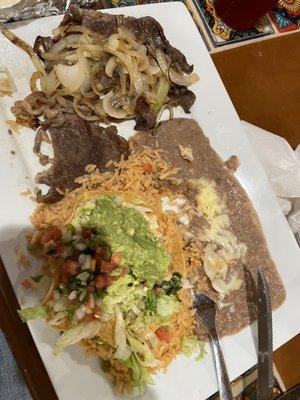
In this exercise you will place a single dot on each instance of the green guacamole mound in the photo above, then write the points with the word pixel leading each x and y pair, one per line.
pixel 126 231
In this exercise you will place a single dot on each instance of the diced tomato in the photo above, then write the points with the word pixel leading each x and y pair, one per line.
pixel 115 258
pixel 70 267
pixel 103 253
pixel 90 288
pixel 55 234
pixel 106 266
pixel 27 284
pixel 148 167
pixel 163 334
pixel 100 282
pixel 108 280
pixel 86 233
pixel 64 277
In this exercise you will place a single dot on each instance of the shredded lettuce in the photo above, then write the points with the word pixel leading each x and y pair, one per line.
pixel 123 350
pixel 191 345
pixel 83 330
pixel 167 305
pixel 142 352
pixel 32 313
pixel 140 374
pixel 125 292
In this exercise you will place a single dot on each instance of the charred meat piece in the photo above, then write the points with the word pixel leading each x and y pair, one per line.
pixel 105 24
pixel 146 29
pixel 77 143
pixel 181 96
pixel 145 116
pixel 34 105
pixel 42 43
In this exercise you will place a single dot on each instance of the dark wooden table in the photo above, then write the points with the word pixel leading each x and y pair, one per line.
pixel 21 343
pixel 263 82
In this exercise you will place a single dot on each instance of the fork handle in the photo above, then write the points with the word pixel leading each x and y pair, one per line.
pixel 225 392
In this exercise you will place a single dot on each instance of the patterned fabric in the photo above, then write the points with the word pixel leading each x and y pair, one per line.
pixel 222 34
pixel 12 386
pixel 286 15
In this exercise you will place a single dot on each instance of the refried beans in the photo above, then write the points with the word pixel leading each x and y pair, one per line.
pixel 239 306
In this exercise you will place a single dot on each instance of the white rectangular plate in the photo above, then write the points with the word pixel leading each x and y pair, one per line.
pixel 73 375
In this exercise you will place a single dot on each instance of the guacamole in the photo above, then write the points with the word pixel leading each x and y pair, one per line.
pixel 126 231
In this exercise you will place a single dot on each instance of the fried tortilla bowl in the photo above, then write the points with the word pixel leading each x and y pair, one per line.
pixel 103 326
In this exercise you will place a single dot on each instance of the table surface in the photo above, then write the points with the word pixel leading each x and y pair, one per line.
pixel 263 82
pixel 262 79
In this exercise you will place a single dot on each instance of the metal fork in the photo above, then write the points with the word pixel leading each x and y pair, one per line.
pixel 206 312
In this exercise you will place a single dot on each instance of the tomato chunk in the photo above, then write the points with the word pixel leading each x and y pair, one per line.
pixel 55 234
pixel 106 266
pixel 90 288
pixel 116 258
pixel 108 280
pixel 27 284
pixel 64 277
pixel 163 334
pixel 148 167
pixel 86 233
pixel 100 282
pixel 70 267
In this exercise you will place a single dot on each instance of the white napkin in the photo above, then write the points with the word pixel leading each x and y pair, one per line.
pixel 282 166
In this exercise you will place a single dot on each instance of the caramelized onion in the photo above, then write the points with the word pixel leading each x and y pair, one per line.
pixel 110 66
pixel 33 80
pixel 110 110
pixel 18 41
pixel 100 77
pixel 72 77
pixel 181 79
pixel 70 41
pixel 7 85
pixel 162 61
pixel 49 83
pixel 81 113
